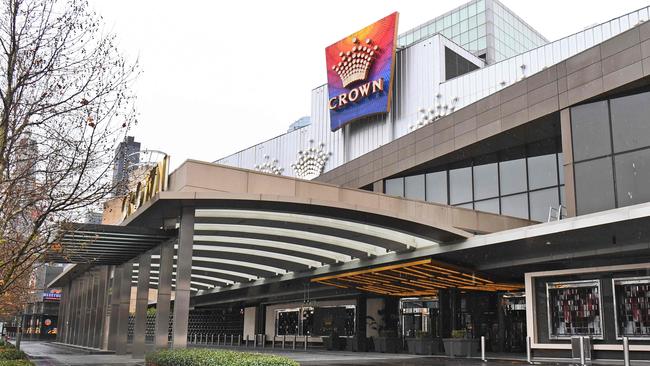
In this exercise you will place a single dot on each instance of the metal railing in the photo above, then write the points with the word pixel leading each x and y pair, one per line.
pixel 258 340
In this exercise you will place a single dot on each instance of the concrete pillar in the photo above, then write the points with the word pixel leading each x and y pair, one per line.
pixel 183 277
pixel 115 308
pixel 142 300
pixel 92 332
pixel 102 298
pixel 77 310
pixel 88 308
pixel 122 330
pixel 70 311
pixel 63 316
pixel 164 294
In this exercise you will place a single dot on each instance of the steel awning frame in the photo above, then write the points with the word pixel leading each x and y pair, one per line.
pixel 103 244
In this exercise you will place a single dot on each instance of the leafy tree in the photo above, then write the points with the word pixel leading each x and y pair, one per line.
pixel 66 104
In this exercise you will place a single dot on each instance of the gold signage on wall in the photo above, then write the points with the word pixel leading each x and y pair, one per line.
pixel 154 181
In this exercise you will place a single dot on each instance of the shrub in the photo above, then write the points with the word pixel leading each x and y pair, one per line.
pixel 205 357
pixel 5 344
pixel 12 354
pixel 16 363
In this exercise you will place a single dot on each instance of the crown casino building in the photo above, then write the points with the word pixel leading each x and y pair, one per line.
pixel 467 178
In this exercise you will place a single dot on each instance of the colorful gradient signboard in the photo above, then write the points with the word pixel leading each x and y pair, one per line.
pixel 360 72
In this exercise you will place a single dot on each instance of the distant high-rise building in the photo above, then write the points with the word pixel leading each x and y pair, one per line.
pixel 93 217
pixel 126 157
pixel 300 123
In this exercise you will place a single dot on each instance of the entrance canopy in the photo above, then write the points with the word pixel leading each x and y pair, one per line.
pixel 248 226
pixel 103 244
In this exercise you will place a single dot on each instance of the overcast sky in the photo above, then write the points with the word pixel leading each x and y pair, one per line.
pixel 220 76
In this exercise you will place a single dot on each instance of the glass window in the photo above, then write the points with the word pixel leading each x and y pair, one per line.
pixel 464 26
pixel 472 22
pixel 513 176
pixel 460 185
pixel 594 185
pixel 631 122
pixel 395 187
pixel 491 206
pixel 455 29
pixel 482 43
pixel 439 25
pixel 414 187
pixel 542 171
pixel 463 13
pixel 436 186
pixel 590 130
pixel 633 177
pixel 447 21
pixel 574 309
pixel 409 38
pixel 480 18
pixel 486 181
pixel 632 306
pixel 471 9
pixel 454 17
pixel 541 201
pixel 516 206
pixel 286 322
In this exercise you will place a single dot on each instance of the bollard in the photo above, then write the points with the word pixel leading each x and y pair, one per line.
pixel 483 348
pixel 582 351
pixel 232 340
pixel 246 341
pixel 626 352
pixel 284 338
pixel 239 340
pixel 528 350
pixel 212 339
pixel 273 342
pixel 255 341
pixel 194 338
pixel 294 341
pixel 306 341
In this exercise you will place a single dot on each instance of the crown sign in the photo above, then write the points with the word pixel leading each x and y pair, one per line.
pixel 355 64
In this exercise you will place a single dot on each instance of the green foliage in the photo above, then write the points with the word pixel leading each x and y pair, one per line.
pixel 151 312
pixel 458 333
pixel 205 357
pixel 422 334
pixel 11 354
pixel 15 363
pixel 4 344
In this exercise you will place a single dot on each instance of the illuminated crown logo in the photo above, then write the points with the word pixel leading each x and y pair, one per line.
pixel 356 63
pixel 311 162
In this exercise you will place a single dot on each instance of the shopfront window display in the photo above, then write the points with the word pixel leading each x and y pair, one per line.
pixel 574 309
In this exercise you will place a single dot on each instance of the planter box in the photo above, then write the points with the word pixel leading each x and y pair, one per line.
pixel 333 344
pixel 356 344
pixel 459 347
pixel 387 344
pixel 424 346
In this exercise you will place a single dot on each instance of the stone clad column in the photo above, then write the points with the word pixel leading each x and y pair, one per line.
pixel 94 304
pixel 164 294
pixel 115 308
pixel 63 318
pixel 183 277
pixel 122 329
pixel 142 300
pixel 102 296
